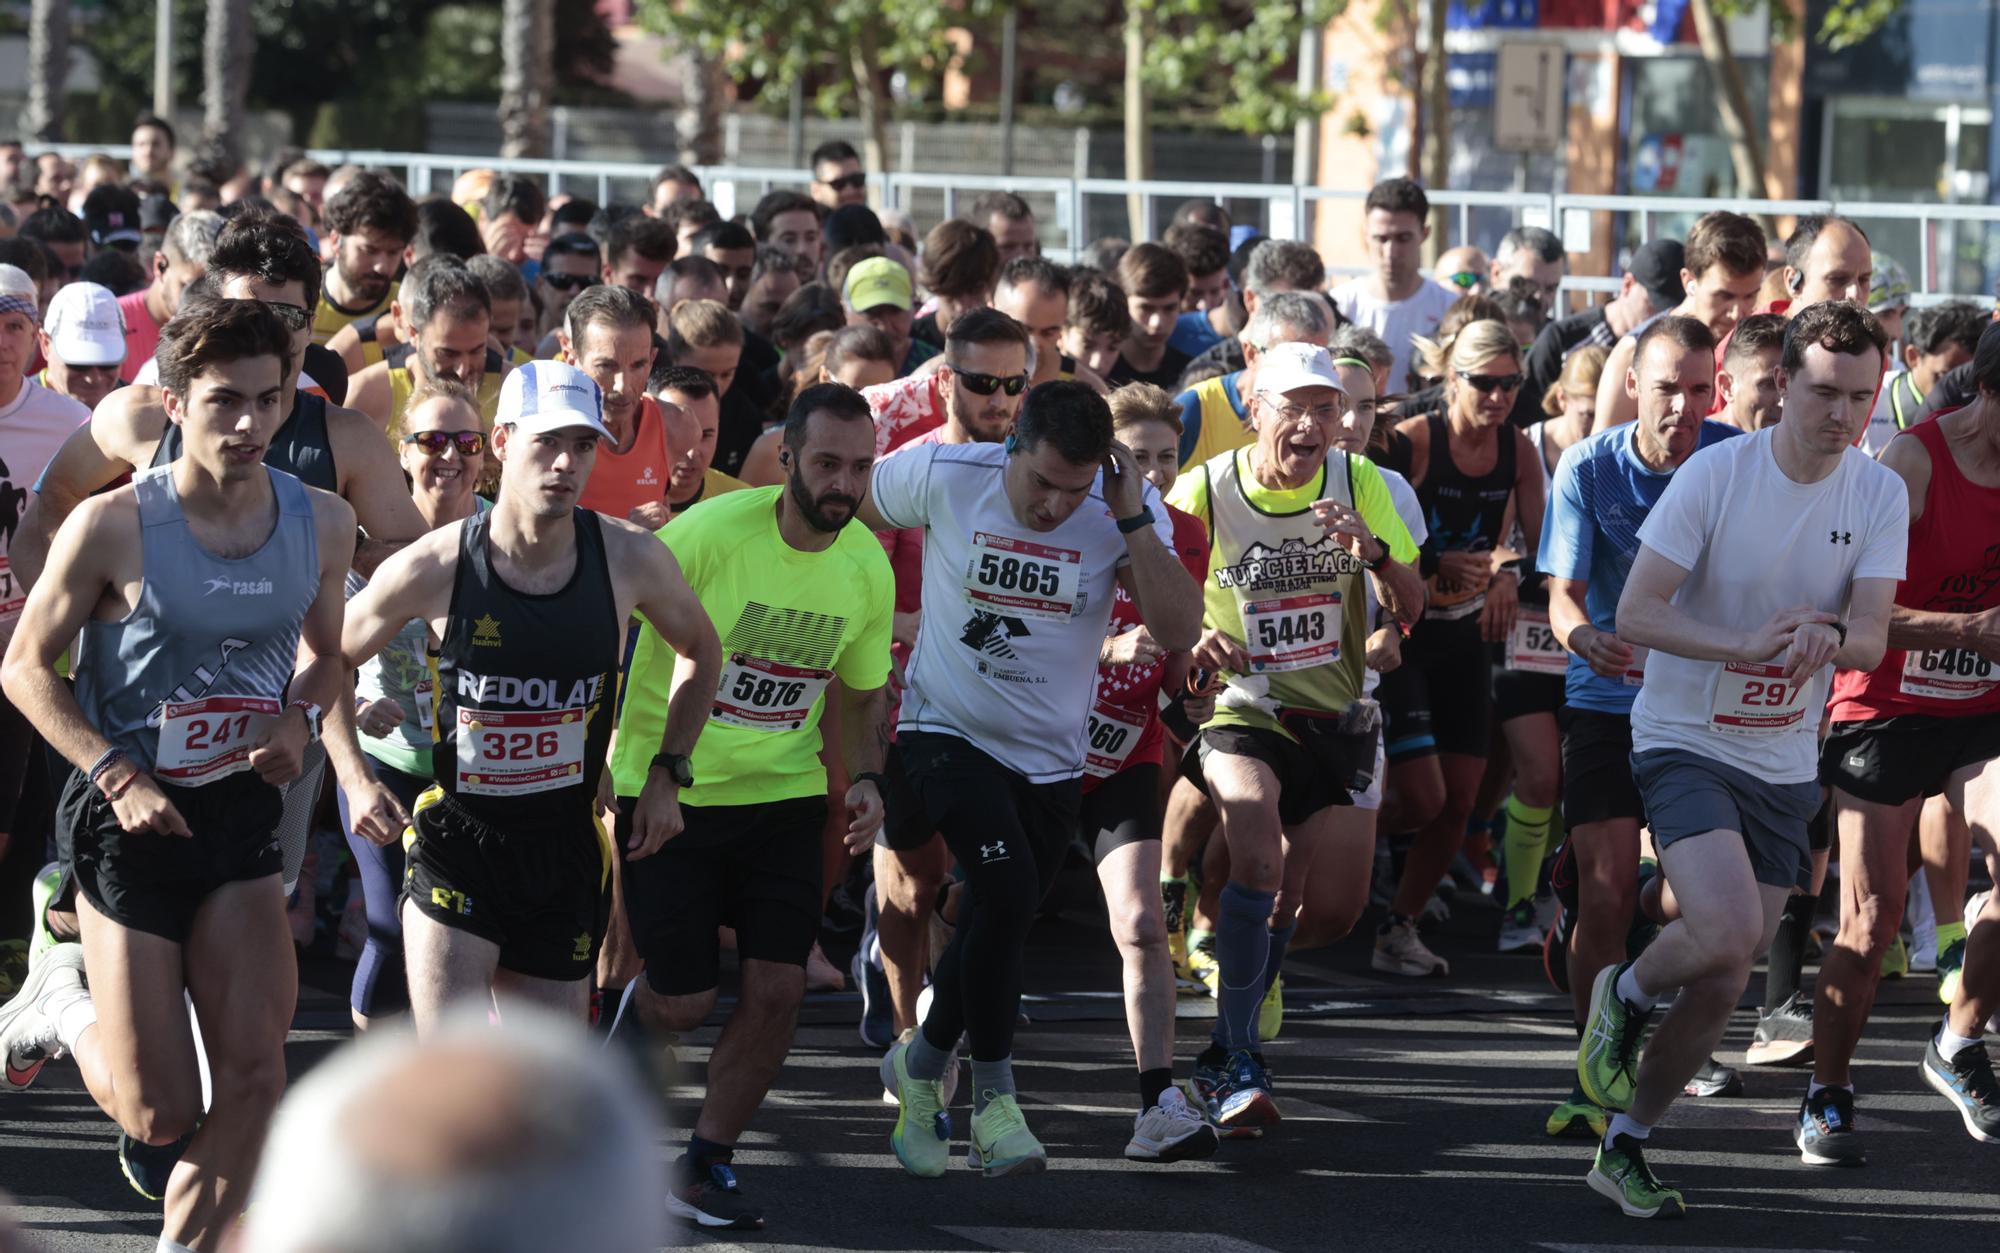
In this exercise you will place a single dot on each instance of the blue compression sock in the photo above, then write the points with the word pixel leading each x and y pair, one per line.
pixel 1242 952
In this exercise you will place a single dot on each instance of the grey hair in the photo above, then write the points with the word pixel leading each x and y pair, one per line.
pixel 1538 240
pixel 583 1172
pixel 1363 345
pixel 190 240
pixel 1287 316
pixel 1282 265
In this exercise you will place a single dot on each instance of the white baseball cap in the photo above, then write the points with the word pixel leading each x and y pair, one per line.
pixel 85 326
pixel 1283 368
pixel 17 291
pixel 544 396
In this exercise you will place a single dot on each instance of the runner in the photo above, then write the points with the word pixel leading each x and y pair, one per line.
pixel 445 313
pixel 1012 224
pixel 1936 340
pixel 1020 558
pixel 1925 722
pixel 1035 292
pixel 1765 560
pixel 1155 282
pixel 507 884
pixel 1215 413
pixel 1121 796
pixel 443 449
pixel 608 334
pixel 1295 523
pixel 182 258
pixel 184 725
pixel 801 600
pixel 369 225
pixel 689 410
pixel 838 177
pixel 83 341
pixel 1398 301
pixel 1603 489
pixel 1651 285
pixel 1098 322
pixel 960 264
pixel 1746 385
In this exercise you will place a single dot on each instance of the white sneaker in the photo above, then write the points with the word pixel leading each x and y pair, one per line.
pixel 1398 951
pixel 28 1021
pixel 1519 930
pixel 951 1066
pixel 1171 1130
pixel 1436 909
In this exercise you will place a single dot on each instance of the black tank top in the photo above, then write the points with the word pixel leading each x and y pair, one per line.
pixel 301 447
pixel 1464 514
pixel 526 686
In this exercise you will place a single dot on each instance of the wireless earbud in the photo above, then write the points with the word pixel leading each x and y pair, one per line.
pixel 1013 443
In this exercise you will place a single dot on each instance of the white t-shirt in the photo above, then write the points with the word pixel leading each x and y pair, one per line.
pixel 1012 617
pixel 1411 511
pixel 1396 321
pixel 1755 543
pixel 31 429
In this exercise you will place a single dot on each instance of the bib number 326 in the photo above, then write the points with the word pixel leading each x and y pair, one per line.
pixel 519 752
pixel 1752 698
pixel 1017 578
pixel 211 738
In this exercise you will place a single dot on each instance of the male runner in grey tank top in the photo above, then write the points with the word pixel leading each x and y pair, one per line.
pixel 194 590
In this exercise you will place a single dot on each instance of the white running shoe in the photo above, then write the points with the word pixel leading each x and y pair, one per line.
pixel 1170 1131
pixel 1398 951
pixel 28 1021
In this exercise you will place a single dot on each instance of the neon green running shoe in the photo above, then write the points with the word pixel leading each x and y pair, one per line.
pixel 922 1138
pixel 1951 965
pixel 1896 959
pixel 1607 1057
pixel 1202 965
pixel 44 891
pixel 1576 1117
pixel 1621 1175
pixel 1271 1014
pixel 1001 1141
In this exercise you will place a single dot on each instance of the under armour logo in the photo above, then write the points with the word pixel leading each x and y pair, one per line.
pixel 996 851
pixel 1840 537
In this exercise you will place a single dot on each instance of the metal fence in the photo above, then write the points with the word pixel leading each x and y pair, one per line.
pixel 1949 249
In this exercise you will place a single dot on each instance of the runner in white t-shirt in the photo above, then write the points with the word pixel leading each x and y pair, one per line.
pixel 1024 545
pixel 1399 301
pixel 1768 560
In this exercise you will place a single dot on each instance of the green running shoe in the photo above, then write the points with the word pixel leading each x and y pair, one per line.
pixel 1607 1057
pixel 1271 1014
pixel 1951 964
pixel 44 891
pixel 1002 1143
pixel 1621 1176
pixel 922 1138
pixel 1576 1118
pixel 1896 959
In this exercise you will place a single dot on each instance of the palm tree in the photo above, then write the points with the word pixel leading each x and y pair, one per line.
pixel 527 76
pixel 226 52
pixel 48 69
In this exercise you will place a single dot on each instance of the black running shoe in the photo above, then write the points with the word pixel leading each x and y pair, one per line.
pixel 148 1168
pixel 1966 1080
pixel 1825 1130
pixel 710 1198
pixel 1715 1079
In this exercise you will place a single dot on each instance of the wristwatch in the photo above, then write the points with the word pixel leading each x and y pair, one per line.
pixel 1143 518
pixel 679 768
pixel 312 713
pixel 1375 563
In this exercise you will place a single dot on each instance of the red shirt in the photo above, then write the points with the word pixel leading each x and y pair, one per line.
pixel 1134 690
pixel 622 481
pixel 1954 567
pixel 142 334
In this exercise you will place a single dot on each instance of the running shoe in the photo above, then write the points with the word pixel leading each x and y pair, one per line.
pixel 1607 1058
pixel 1398 951
pixel 1518 928
pixel 28 1022
pixel 1243 1099
pixel 1825 1131
pixel 1714 1079
pixel 1966 1080
pixel 44 891
pixel 1173 909
pixel 1206 971
pixel 13 968
pixel 1271 1014
pixel 1621 1176
pixel 1950 966
pixel 1784 1035
pixel 922 1138
pixel 1555 949
pixel 1896 959
pixel 148 1167
pixel 1576 1118
pixel 1001 1141
pixel 1170 1130
pixel 878 1015
pixel 711 1198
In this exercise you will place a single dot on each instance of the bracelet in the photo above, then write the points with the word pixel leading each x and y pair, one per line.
pixel 123 786
pixel 103 763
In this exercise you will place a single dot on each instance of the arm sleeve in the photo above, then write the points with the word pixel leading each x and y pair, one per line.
pixel 1566 527
pixel 1679 525
pixel 864 663
pixel 900 486
pixel 1372 501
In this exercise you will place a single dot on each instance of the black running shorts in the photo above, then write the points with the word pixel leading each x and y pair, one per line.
pixel 1440 700
pixel 1304 788
pixel 1889 761
pixel 1519 693
pixel 1123 809
pixel 156 883
pixel 540 892
pixel 1597 768
pixel 752 867
pixel 906 824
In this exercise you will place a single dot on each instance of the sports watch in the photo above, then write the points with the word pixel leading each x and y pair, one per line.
pixel 679 768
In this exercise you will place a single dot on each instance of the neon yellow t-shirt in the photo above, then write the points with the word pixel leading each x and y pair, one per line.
pixel 791 622
pixel 330 317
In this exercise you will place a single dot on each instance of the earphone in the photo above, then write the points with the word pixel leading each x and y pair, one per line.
pixel 1013 443
pixel 1797 282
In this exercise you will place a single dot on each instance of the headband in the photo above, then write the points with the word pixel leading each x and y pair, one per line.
pixel 11 303
pixel 1356 362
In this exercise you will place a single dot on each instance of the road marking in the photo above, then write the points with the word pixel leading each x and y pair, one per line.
pixel 1041 1240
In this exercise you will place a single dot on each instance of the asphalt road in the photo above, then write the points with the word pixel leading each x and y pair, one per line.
pixel 1413 1116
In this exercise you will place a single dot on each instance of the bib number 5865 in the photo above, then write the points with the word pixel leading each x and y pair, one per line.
pixel 1011 574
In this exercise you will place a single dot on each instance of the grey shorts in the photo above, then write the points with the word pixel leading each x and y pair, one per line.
pixel 1688 794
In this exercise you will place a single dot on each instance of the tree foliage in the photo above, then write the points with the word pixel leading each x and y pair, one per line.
pixel 1242 54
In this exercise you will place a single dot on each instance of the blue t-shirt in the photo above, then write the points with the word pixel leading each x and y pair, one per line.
pixel 1193 335
pixel 1590 534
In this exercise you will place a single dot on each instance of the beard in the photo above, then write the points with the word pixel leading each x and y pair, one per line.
pixel 814 509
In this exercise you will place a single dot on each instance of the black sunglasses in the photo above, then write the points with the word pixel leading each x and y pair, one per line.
pixel 294 317
pixel 848 182
pixel 569 282
pixel 987 384
pixel 1493 382
pixel 433 443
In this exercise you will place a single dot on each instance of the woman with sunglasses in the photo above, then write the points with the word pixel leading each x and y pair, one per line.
pixel 1475 474
pixel 442 445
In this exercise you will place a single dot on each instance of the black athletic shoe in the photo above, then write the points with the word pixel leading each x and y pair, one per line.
pixel 710 1198
pixel 1715 1079
pixel 1966 1080
pixel 1825 1130
pixel 148 1168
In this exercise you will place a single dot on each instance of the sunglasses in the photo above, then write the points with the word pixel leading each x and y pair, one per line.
pixel 987 384
pixel 294 317
pixel 569 282
pixel 1464 280
pixel 433 443
pixel 848 182
pixel 1493 382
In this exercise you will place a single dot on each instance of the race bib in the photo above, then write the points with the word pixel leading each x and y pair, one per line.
pixel 1017 578
pixel 1752 698
pixel 425 695
pixel 12 597
pixel 765 695
pixel 1947 674
pixel 211 738
pixel 1635 674
pixel 1113 734
pixel 1532 647
pixel 1291 632
pixel 519 752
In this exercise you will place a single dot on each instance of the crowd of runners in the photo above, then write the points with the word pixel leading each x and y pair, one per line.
pixel 640 586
